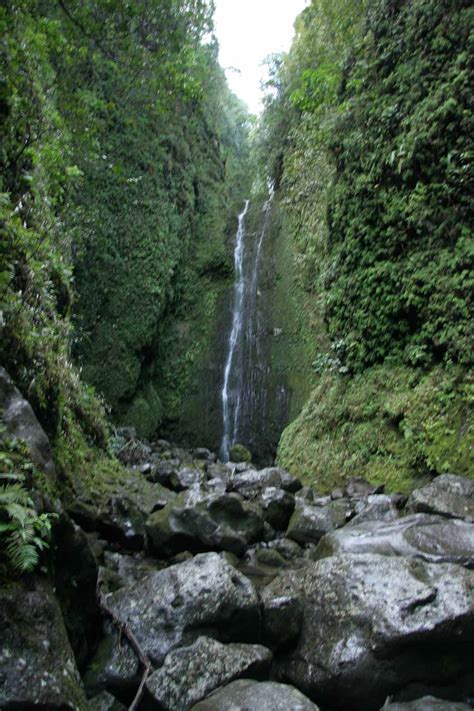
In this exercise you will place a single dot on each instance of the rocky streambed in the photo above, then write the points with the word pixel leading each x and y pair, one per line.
pixel 208 586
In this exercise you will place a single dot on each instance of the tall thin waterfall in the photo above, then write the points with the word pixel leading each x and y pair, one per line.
pixel 240 380
pixel 235 334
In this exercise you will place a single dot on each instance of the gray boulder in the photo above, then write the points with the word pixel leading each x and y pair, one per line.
pixel 447 495
pixel 120 513
pixel 358 487
pixel 427 703
pixel 431 538
pixel 114 667
pixel 197 521
pixel 376 507
pixel 277 506
pixel 189 674
pixel 310 523
pixel 20 421
pixel 381 624
pixel 37 667
pixel 252 483
pixel 187 477
pixel 247 695
pixel 173 607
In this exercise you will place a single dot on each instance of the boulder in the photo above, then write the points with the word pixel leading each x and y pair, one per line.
pixel 376 507
pixel 187 477
pixel 37 666
pixel 248 695
pixel 119 513
pixel 196 521
pixel 427 703
pixel 75 580
pixel 252 483
pixel 310 523
pixel 277 506
pixel 114 666
pixel 189 674
pixel 172 607
pixel 431 538
pixel 282 617
pixel 21 423
pixel 357 487
pixel 205 454
pixel 447 495
pixel 373 625
pixel 105 702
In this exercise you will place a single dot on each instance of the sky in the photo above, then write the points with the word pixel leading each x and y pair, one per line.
pixel 248 31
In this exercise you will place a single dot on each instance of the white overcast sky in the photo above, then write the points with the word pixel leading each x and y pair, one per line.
pixel 249 30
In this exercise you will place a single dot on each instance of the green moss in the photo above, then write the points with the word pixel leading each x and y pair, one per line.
pixel 391 424
pixel 239 453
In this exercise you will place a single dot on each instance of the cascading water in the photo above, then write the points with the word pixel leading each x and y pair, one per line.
pixel 240 384
pixel 237 320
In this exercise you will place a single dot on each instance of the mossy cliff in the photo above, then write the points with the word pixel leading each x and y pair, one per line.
pixel 383 236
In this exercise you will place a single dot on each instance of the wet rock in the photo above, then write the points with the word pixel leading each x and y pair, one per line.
pixel 447 495
pixel 75 579
pixel 247 695
pixel 239 467
pixel 37 667
pixel 114 666
pixel 277 507
pixel 357 487
pixel 120 515
pixel 189 674
pixel 431 538
pixel 187 477
pixel 163 470
pixel 427 703
pixel 381 623
pixel 310 523
pixel 21 423
pixel 205 522
pixel 105 702
pixel 173 607
pixel 252 483
pixel 129 569
pixel 282 617
pixel 290 550
pixel 306 495
pixel 376 507
pixel 203 453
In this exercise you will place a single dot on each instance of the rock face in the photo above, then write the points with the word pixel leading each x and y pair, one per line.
pixel 432 538
pixel 37 667
pixel 381 623
pixel 173 607
pixel 448 495
pixel 427 703
pixel 310 523
pixel 246 695
pixel 205 522
pixel 21 423
pixel 206 665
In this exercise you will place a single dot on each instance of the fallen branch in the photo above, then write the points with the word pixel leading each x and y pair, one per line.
pixel 134 643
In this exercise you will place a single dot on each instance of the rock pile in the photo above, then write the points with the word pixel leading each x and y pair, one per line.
pixel 233 588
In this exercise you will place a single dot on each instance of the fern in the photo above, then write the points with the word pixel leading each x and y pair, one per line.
pixel 23 532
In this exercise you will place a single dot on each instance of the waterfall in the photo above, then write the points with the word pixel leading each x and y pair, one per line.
pixel 235 334
pixel 239 396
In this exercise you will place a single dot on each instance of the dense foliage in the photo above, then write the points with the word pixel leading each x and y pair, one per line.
pixel 368 133
pixel 123 154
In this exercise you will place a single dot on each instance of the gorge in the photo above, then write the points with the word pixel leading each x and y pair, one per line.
pixel 236 390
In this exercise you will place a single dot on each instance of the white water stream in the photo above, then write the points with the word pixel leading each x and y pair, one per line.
pixel 237 322
pixel 239 382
